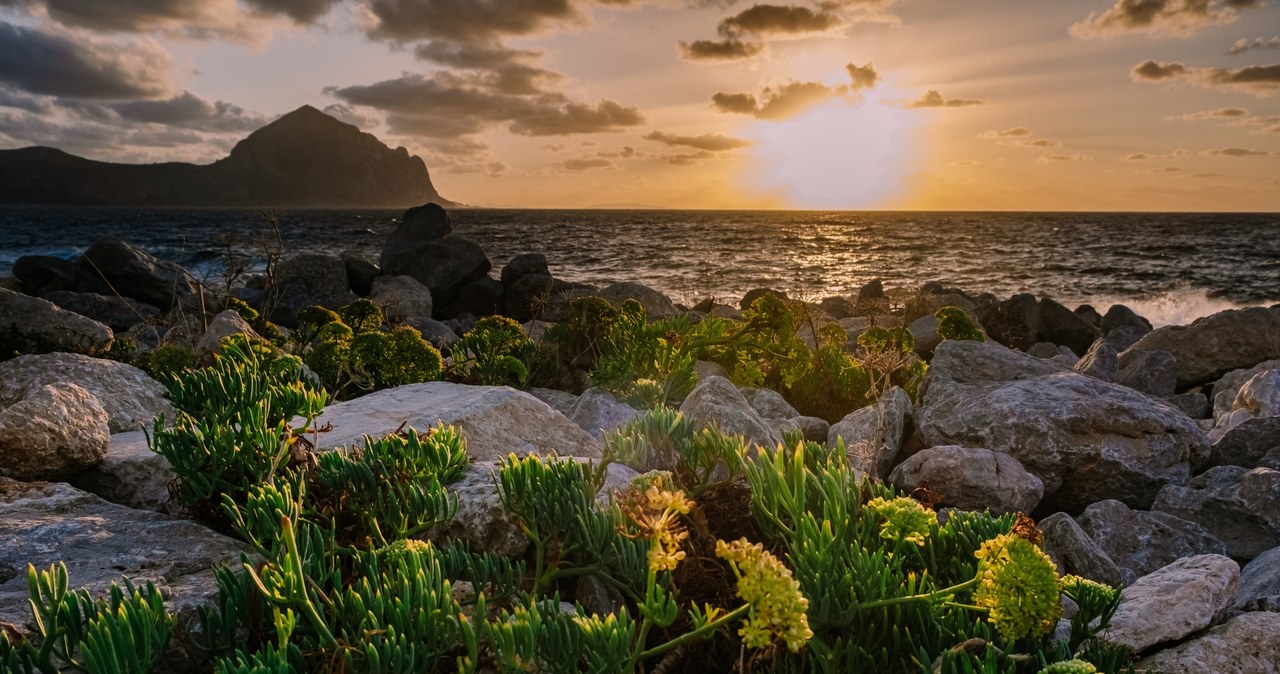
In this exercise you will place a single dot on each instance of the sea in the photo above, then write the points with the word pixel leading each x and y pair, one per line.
pixel 1170 267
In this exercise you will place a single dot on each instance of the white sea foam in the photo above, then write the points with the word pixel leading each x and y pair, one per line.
pixel 1179 306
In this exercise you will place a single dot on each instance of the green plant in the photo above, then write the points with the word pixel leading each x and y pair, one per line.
pixel 169 360
pixel 889 357
pixel 954 323
pixel 351 354
pixel 494 352
pixel 663 439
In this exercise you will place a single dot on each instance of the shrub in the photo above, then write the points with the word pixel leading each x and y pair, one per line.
pixel 494 352
pixel 956 324
pixel 352 356
pixel 169 360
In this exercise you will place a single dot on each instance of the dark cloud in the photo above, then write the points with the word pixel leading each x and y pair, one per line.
pixel 1244 44
pixel 561 118
pixel 933 99
pixel 730 49
pixel 864 77
pixel 1237 152
pixel 59 65
pixel 436 126
pixel 21 101
pixel 1219 113
pixel 777 102
pixel 190 111
pixel 711 142
pixel 301 11
pixel 1257 80
pixel 465 20
pixel 472 55
pixel 553 147
pixel 1137 156
pixel 778 19
pixel 1015 132
pixel 350 115
pixel 587 164
pixel 1160 17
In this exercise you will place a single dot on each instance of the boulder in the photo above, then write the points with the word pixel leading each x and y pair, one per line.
pixel 222 326
pixel 1045 350
pixel 1099 362
pixel 873 435
pixel 361 271
pixel 1246 644
pixel 1014 322
pixel 130 474
pixel 440 335
pixel 419 225
pixel 598 412
pixel 970 478
pixel 924 332
pixel 871 290
pixel 1246 443
pixel 1124 337
pixel 400 297
pixel 529 295
pixel 1260 583
pixel 52 431
pixel 1065 327
pixel 656 305
pixel 1215 345
pixel 522 265
pixel 1228 386
pixel 1237 505
pixel 130 397
pixel 40 274
pixel 1086 439
pixel 42 524
pixel 422 247
pixel 1140 542
pixel 560 401
pixel 1120 316
pixel 33 325
pixel 310 279
pixel 1090 315
pixel 129 271
pixel 481 297
pixel 1074 552
pixel 1152 372
pixel 494 420
pixel 117 313
pixel 1173 602
pixel 716 402
pixel 1260 396
pixel 835 307
pixel 1192 403
pixel 768 403
pixel 815 429
pixel 756 293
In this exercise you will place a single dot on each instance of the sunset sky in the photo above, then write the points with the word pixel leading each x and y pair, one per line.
pixel 909 104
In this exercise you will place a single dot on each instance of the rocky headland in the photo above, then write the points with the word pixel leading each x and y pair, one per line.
pixel 1149 458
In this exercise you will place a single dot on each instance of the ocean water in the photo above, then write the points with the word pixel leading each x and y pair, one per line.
pixel 1171 268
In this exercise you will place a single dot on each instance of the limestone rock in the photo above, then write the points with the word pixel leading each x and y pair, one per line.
pixel 769 403
pixel 1119 316
pixel 1215 345
pixel 1099 362
pixel 401 297
pixel 1260 583
pixel 437 333
pixel 656 305
pixel 1174 601
pixel 1246 443
pixel 1065 327
pixel 32 325
pixel 117 313
pixel 815 429
pixel 1237 505
pixel 970 479
pixel 1260 395
pixel 1014 322
pixel 130 474
pixel 309 279
pixel 1228 386
pixel 715 401
pixel 873 435
pixel 1087 440
pixel 598 412
pixel 54 430
pixel 130 397
pixel 1151 371
pixel 560 401
pixel 1246 644
pixel 1073 551
pixel 494 420
pixel 222 326
pixel 1192 403
pixel 132 272
pixel 443 263
pixel 1139 542
pixel 361 271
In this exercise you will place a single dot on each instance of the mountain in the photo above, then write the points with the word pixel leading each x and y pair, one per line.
pixel 303 159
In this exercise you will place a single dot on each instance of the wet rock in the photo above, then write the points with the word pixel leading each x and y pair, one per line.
pixel 130 397
pixel 1139 542
pixel 130 474
pixel 494 420
pixel 1173 602
pixel 1074 552
pixel 1120 316
pixel 117 313
pixel 970 478
pixel 1215 345
pixel 1246 644
pixel 1151 371
pixel 401 297
pixel 873 435
pixel 52 431
pixel 32 325
pixel 1237 505
pixel 716 402
pixel 127 270
pixel 1124 337
pixel 1090 315
pixel 598 412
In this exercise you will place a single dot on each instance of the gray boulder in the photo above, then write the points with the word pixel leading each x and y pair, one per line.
pixel 716 402
pixel 1215 345
pixel 1099 362
pixel 422 247
pixel 117 313
pixel 560 401
pixel 361 271
pixel 1153 372
pixel 970 479
pixel 400 297
pixel 481 297
pixel 598 412
pixel 32 325
pixel 52 431
pixel 873 435
pixel 1140 542
pixel 1192 403
pixel 1174 602
pixel 1245 444
pixel 494 420
pixel 130 474
pixel 127 270
pixel 1065 327
pixel 440 335
pixel 1228 386
pixel 1260 396
pixel 656 305
pixel 815 429
pixel 309 279
pixel 1237 505
pixel 1074 552
pixel 1246 644
pixel 130 397
pixel 41 274
pixel 523 265
pixel 769 403
pixel 1087 440
pixel 222 326
pixel 1260 583
pixel 1014 322
pixel 1120 316
pixel 1124 337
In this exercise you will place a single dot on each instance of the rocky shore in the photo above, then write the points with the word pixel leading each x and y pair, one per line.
pixel 1150 459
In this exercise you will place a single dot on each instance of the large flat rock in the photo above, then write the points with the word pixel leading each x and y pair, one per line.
pixel 1246 644
pixel 1178 600
pixel 131 398
pixel 1215 345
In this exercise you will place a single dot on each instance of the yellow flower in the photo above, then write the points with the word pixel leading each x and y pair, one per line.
pixel 1018 585
pixel 1070 667
pixel 904 518
pixel 778 609
pixel 656 512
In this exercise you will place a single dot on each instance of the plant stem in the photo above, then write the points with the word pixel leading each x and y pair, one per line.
pixel 928 596
pixel 696 634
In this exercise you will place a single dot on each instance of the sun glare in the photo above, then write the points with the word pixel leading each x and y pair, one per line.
pixel 839 155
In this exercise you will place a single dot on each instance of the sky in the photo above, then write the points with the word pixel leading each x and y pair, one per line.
pixel 840 104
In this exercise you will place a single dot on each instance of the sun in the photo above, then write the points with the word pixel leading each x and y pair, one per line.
pixel 839 155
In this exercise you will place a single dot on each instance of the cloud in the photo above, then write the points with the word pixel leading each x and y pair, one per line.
pixel 1237 152
pixel 472 55
pixel 731 49
pixel 1039 142
pixel 1137 156
pixel 1065 157
pixel 197 19
pixel 864 77
pixel 553 147
pixel 778 19
pixel 190 111
pixel 1204 175
pixel 1166 169
pixel 465 20
pixel 301 11
pixel 1244 44
pixel 351 115
pixel 690 159
pixel 20 101
pixel 1160 17
pixel 933 99
pixel 57 64
pixel 777 102
pixel 587 164
pixel 1219 113
pixel 1260 81
pixel 711 142
pixel 1015 132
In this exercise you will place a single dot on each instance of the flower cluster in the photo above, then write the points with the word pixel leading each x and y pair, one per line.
pixel 1018 584
pixel 904 519
pixel 778 609
pixel 1070 667
pixel 399 550
pixel 656 511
